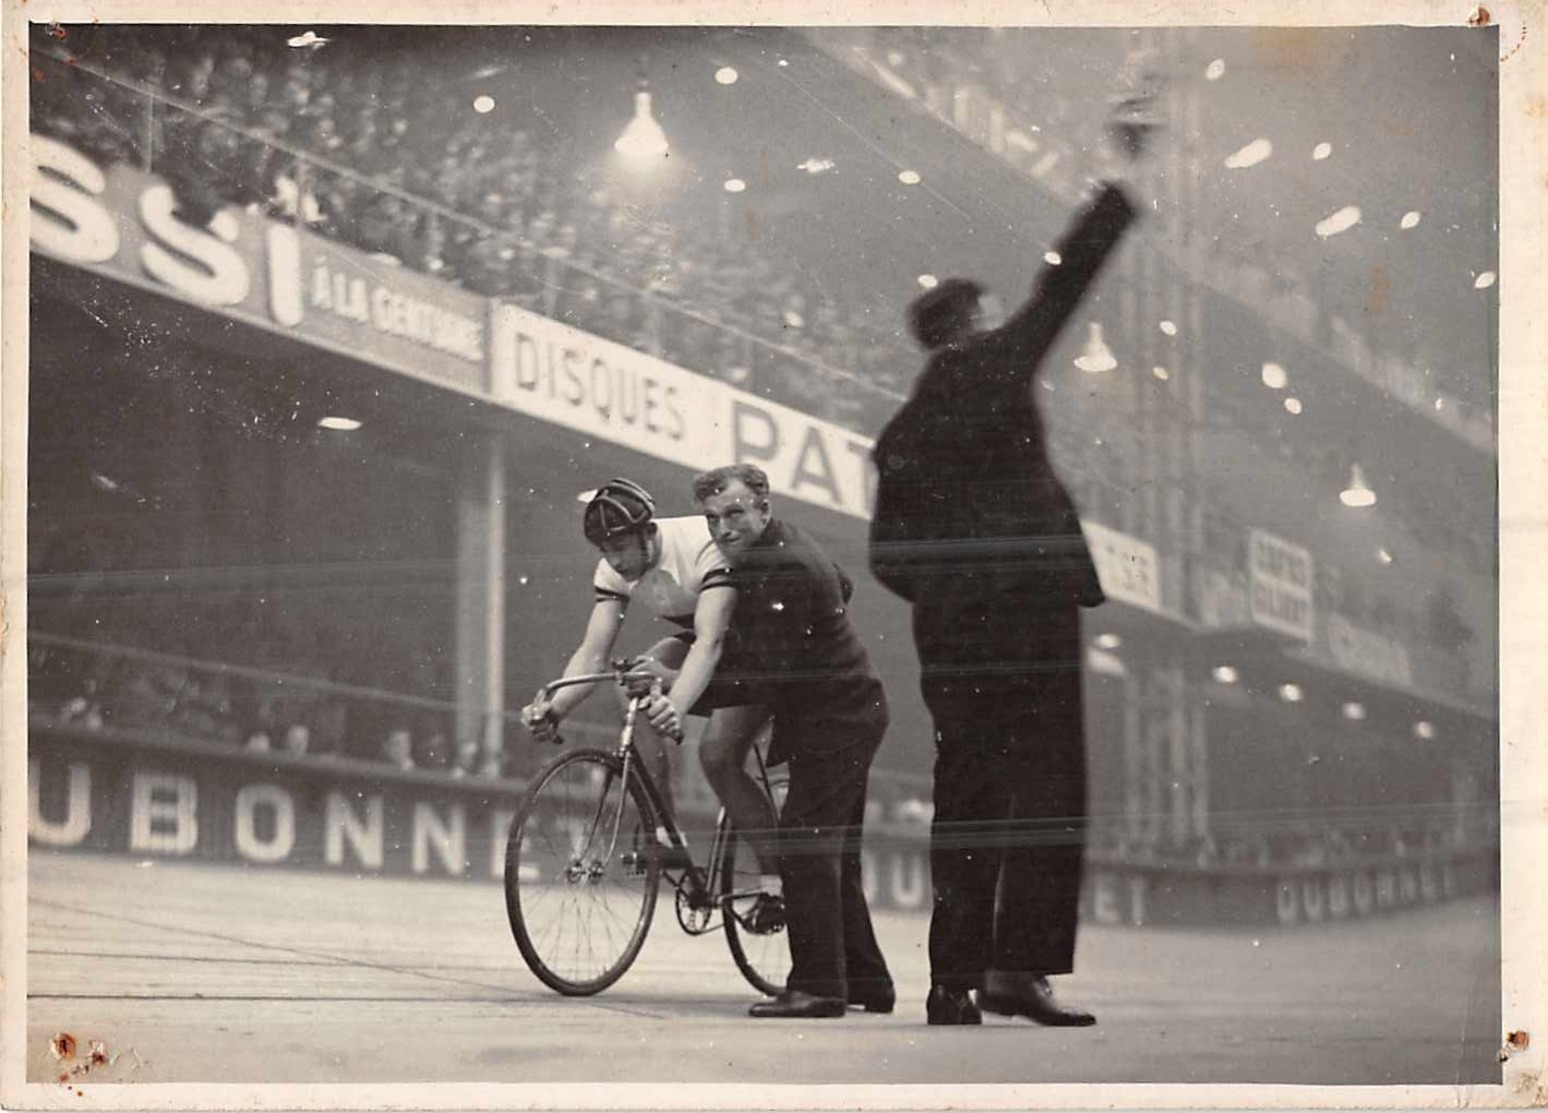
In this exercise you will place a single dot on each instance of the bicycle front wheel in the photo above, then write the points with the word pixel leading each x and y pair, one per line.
pixel 762 957
pixel 581 873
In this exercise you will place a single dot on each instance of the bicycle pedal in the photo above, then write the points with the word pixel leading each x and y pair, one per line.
pixel 766 915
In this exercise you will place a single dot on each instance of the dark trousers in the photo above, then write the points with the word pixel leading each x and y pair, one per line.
pixel 1008 836
pixel 833 947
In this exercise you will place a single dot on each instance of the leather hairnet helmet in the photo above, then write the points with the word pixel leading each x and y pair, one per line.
pixel 617 507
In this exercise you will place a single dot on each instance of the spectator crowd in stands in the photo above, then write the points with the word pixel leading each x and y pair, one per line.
pixel 284 694
pixel 373 156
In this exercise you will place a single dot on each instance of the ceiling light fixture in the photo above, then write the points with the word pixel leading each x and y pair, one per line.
pixel 1359 492
pixel 643 138
pixel 1096 357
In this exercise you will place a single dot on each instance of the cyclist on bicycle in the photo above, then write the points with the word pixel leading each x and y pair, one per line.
pixel 674 567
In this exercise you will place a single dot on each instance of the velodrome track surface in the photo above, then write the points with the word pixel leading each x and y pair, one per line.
pixel 208 973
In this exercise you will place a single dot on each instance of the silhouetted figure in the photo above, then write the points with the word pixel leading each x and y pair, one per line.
pixel 975 529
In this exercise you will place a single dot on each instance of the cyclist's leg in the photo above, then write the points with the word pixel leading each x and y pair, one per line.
pixel 723 755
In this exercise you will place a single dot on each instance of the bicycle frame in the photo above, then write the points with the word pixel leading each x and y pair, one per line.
pixel 701 883
pixel 553 888
pixel 698 880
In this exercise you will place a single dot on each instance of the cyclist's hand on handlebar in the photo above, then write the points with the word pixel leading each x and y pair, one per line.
pixel 663 716
pixel 539 718
pixel 646 673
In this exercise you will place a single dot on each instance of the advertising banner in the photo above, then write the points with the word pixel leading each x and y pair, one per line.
pixel 558 373
pixel 1281 584
pixel 1128 567
pixel 339 298
pixel 114 794
pixel 123 222
pixel 111 792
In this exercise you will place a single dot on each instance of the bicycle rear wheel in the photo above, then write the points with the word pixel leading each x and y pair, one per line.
pixel 762 957
pixel 581 873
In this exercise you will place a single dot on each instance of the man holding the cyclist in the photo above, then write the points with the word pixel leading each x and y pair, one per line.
pixel 674 567
pixel 792 645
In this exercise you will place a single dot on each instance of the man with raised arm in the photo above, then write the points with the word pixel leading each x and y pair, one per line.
pixel 974 528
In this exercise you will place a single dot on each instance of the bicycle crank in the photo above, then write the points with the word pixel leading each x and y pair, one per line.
pixel 694 912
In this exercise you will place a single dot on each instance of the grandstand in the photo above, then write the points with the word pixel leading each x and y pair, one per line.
pixel 327 339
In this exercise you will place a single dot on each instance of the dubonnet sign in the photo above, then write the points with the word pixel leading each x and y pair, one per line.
pixel 113 792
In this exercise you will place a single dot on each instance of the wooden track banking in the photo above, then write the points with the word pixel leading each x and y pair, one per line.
pixel 198 973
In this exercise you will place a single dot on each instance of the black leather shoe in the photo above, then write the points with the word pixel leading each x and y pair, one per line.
pixel 877 999
pixel 795 1005
pixel 1030 996
pixel 951 1006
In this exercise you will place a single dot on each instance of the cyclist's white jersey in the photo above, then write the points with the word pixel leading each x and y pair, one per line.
pixel 689 558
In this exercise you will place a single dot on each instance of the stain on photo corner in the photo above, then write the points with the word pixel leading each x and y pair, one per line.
pixel 1515 1043
pixel 75 1062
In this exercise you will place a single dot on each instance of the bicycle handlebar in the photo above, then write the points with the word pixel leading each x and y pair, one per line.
pixel 620 667
pixel 570 681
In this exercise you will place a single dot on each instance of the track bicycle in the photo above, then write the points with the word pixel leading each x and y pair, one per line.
pixel 589 847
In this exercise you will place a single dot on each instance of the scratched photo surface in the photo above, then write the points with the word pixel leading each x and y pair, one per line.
pixel 334 330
